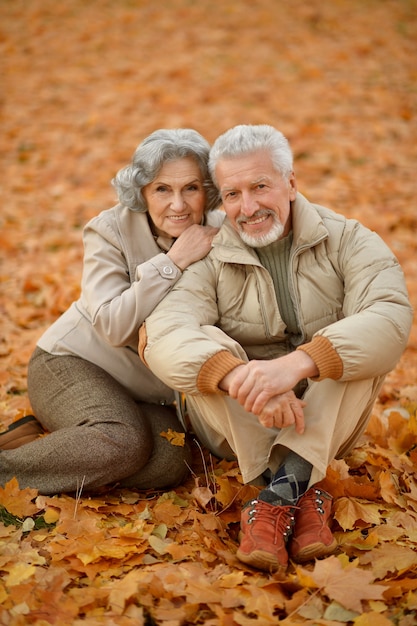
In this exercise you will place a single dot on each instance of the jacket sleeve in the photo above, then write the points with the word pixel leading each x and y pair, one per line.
pixel 377 316
pixel 180 342
pixel 116 302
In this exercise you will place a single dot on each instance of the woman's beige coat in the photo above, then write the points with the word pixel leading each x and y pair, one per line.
pixel 346 286
pixel 125 275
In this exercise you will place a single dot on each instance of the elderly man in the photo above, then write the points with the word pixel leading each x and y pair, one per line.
pixel 280 338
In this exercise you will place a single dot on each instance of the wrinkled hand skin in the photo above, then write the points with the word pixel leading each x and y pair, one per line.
pixel 265 389
pixel 192 245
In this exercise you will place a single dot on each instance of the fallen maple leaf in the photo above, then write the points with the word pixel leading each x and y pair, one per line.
pixel 167 511
pixel 202 495
pixel 179 552
pixel 390 558
pixel 347 511
pixel 175 438
pixel 18 501
pixel 19 573
pixel 390 490
pixel 48 194
pixel 372 619
pixel 224 492
pixel 122 590
pixel 330 575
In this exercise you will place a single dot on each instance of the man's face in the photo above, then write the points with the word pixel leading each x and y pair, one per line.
pixel 255 197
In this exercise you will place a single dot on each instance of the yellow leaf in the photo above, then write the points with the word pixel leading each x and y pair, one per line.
pixel 372 619
pixel 51 515
pixel 19 573
pixel 412 424
pixel 304 577
pixel 230 581
pixel 412 601
pixel 175 438
pixel 225 492
pixel 3 593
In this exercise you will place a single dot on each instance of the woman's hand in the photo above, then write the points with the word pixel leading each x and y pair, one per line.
pixel 192 245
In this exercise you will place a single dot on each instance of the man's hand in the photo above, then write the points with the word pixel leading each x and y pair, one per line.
pixel 265 388
pixel 283 411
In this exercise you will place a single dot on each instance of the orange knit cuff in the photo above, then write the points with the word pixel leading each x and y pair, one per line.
pixel 214 370
pixel 328 362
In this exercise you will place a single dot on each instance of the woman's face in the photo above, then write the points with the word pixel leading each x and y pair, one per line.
pixel 176 198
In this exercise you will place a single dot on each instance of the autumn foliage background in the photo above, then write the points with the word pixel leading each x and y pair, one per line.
pixel 82 83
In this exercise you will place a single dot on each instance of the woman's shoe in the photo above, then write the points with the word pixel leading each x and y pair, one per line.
pixel 22 431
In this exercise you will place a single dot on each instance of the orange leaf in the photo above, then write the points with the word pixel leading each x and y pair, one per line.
pixel 391 559
pixel 123 589
pixel 335 579
pixel 347 511
pixel 17 501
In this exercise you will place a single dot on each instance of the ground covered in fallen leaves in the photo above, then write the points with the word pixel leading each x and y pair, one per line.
pixel 82 84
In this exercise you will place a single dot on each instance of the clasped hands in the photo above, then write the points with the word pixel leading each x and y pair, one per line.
pixel 265 388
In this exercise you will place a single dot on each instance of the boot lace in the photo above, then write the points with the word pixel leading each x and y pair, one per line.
pixel 280 518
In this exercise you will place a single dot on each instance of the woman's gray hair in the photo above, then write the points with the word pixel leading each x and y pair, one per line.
pixel 245 139
pixel 155 150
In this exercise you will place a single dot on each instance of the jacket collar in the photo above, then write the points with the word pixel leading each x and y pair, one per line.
pixel 307 224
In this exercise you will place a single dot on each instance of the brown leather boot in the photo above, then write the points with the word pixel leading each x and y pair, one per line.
pixel 312 537
pixel 20 432
pixel 265 530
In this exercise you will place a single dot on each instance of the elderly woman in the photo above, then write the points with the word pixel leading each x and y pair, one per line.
pixel 106 414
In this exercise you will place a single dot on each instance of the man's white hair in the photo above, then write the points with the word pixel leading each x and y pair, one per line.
pixel 246 139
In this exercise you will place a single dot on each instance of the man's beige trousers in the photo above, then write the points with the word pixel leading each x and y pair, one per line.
pixel 335 417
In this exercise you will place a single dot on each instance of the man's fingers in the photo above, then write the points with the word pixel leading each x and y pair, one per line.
pixel 267 421
pixel 283 415
pixel 298 415
pixel 238 376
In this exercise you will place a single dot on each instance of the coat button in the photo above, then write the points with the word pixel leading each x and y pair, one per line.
pixel 167 270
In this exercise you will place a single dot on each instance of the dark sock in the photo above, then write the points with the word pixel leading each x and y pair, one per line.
pixel 289 483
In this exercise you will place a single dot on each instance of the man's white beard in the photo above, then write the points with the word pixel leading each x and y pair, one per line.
pixel 275 233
